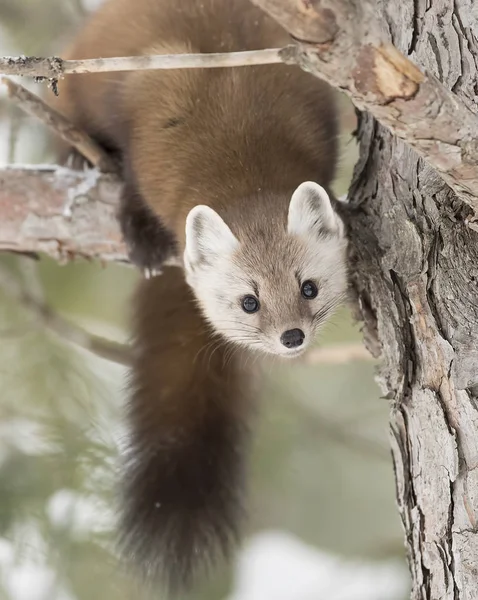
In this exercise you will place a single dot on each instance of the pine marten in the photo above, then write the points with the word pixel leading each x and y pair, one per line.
pixel 228 170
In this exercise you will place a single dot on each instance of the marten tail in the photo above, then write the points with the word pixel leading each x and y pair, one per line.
pixel 183 478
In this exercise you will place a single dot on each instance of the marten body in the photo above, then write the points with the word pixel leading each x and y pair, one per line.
pixel 264 256
pixel 195 136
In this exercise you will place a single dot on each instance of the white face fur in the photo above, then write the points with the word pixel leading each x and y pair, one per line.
pixel 271 287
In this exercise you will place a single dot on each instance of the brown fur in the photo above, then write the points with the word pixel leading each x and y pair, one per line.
pixel 210 136
pixel 240 140
pixel 184 476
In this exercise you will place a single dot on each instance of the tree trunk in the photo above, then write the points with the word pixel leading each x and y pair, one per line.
pixel 416 276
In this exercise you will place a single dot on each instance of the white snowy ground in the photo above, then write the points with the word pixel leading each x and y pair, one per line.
pixel 272 566
pixel 277 566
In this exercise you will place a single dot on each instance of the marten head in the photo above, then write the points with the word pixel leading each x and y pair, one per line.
pixel 273 282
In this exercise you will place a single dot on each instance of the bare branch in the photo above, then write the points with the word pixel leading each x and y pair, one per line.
pixel 67 330
pixel 348 437
pixel 59 124
pixel 54 67
pixel 61 213
pixel 338 354
pixel 342 43
pixel 32 298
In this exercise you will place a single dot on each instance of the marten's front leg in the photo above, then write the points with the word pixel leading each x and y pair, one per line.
pixel 148 242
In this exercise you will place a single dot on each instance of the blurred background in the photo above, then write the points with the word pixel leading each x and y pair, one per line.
pixel 323 521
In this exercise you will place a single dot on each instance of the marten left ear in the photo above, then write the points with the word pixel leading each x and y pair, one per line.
pixel 311 212
pixel 207 237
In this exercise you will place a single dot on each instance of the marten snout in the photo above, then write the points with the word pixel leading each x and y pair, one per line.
pixel 292 338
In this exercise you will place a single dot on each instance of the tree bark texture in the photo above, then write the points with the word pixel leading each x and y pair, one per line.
pixel 416 276
pixel 61 213
pixel 345 43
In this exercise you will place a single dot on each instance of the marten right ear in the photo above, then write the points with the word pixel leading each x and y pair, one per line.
pixel 311 212
pixel 207 237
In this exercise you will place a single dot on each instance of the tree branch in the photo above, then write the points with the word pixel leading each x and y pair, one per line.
pixel 341 42
pixel 61 213
pixel 78 139
pixel 55 67
pixel 338 354
pixel 32 299
pixel 67 330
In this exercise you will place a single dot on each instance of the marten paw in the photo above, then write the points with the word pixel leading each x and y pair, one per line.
pixel 150 245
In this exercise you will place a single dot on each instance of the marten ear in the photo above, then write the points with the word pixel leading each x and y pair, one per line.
pixel 311 212
pixel 207 237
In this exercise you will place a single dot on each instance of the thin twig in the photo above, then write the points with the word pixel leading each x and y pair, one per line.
pixel 13 132
pixel 31 279
pixel 78 139
pixel 377 77
pixel 54 67
pixel 107 349
pixel 33 300
pixel 335 430
pixel 338 354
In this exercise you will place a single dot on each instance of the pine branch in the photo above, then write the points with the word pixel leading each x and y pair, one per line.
pixel 338 354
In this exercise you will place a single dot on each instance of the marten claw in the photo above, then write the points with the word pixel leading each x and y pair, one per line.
pixel 149 273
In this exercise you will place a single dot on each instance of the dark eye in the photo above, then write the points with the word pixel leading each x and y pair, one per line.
pixel 309 290
pixel 250 304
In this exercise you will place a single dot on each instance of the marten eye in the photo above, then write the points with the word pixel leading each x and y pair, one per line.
pixel 250 304
pixel 309 290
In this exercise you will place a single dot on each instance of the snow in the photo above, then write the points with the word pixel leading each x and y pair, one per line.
pixel 79 513
pixel 26 436
pixel 278 566
pixel 29 578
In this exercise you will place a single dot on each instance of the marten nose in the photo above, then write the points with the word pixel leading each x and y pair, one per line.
pixel 292 338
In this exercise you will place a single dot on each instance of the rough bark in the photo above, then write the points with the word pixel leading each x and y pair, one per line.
pixel 415 262
pixel 345 43
pixel 61 213
pixel 416 275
